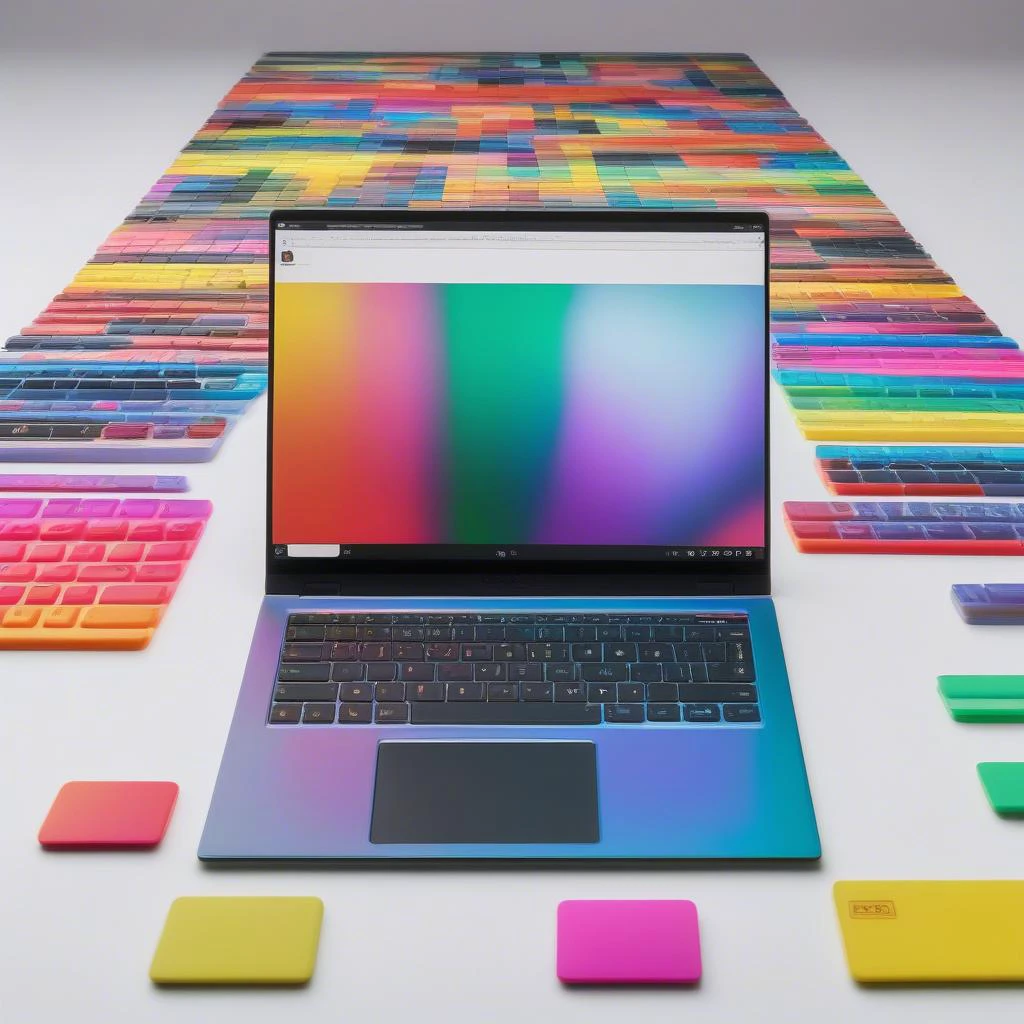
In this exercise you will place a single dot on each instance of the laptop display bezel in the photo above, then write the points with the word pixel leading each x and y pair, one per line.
pixel 596 577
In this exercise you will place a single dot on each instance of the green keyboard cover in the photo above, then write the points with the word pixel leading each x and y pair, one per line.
pixel 983 698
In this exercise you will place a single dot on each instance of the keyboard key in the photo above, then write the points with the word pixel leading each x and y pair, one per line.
pixel 472 691
pixel 489 633
pixel 510 652
pixel 336 633
pixel 586 652
pixel 490 671
pixel 662 692
pixel 318 714
pixel 408 652
pixel 442 652
pixel 460 672
pixel 305 633
pixel 502 691
pixel 623 652
pixel 304 673
pixel 717 693
pixel 568 692
pixel 655 652
pixel 501 713
pixel 741 712
pixel 526 673
pixel 417 671
pixel 285 713
pixel 701 713
pixel 301 652
pixel 600 693
pixel 407 633
pixel 393 713
pixel 359 692
pixel 63 617
pixel 637 633
pixel 348 671
pixel 668 633
pixel 305 691
pixel 389 691
pixel 106 573
pixel 354 714
pixel 46 553
pixel 605 673
pixel 425 691
pixel 548 653
pixel 663 713
pixel 624 713
pixel 645 673
pixel 729 671
pixel 699 634
pixel 381 671
pixel 580 633
pixel 537 691
pixel 134 594
pixel 20 617
pixel 560 673
pixel 477 652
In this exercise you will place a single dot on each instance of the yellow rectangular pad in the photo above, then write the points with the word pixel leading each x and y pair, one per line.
pixel 932 931
pixel 238 940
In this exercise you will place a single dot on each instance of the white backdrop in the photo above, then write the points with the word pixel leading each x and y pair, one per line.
pixel 893 778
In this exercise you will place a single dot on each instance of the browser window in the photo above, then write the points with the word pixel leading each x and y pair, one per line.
pixel 518 394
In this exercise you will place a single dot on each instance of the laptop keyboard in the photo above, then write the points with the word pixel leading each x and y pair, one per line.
pixel 921 471
pixel 84 573
pixel 906 527
pixel 352 669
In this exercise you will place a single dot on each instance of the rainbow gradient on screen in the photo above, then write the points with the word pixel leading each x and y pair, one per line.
pixel 533 414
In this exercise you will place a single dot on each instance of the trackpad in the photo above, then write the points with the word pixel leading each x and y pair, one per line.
pixel 491 792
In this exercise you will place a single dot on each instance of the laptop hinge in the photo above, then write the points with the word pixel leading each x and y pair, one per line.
pixel 321 590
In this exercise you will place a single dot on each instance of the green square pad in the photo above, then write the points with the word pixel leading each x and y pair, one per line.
pixel 983 698
pixel 238 940
pixel 1004 785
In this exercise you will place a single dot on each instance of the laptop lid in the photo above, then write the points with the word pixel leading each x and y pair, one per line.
pixel 518 403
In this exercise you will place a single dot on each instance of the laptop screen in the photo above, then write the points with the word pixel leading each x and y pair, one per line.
pixel 506 393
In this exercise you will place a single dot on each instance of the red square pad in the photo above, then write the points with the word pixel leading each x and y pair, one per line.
pixel 620 942
pixel 109 815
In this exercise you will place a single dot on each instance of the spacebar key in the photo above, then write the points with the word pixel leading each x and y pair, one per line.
pixel 504 714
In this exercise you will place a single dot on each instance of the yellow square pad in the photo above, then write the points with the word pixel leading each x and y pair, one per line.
pixel 238 940
pixel 932 931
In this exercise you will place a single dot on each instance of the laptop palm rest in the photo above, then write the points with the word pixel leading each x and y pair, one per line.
pixel 486 792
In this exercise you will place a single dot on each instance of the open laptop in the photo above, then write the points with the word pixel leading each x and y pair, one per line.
pixel 517 547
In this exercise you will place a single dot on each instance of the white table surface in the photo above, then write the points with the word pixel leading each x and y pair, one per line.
pixel 893 777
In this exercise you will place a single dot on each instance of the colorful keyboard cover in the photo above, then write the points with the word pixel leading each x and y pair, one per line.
pixel 183 279
pixel 91 573
pixel 990 604
pixel 922 471
pixel 906 527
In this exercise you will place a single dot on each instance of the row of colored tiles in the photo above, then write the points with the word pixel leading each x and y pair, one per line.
pixel 274 940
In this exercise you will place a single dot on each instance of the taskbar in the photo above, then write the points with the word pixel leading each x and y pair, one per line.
pixel 519 553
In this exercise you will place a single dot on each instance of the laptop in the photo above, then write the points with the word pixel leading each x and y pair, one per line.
pixel 518 594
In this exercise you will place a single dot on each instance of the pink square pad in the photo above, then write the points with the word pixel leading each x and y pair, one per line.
pixel 621 942
pixel 108 815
